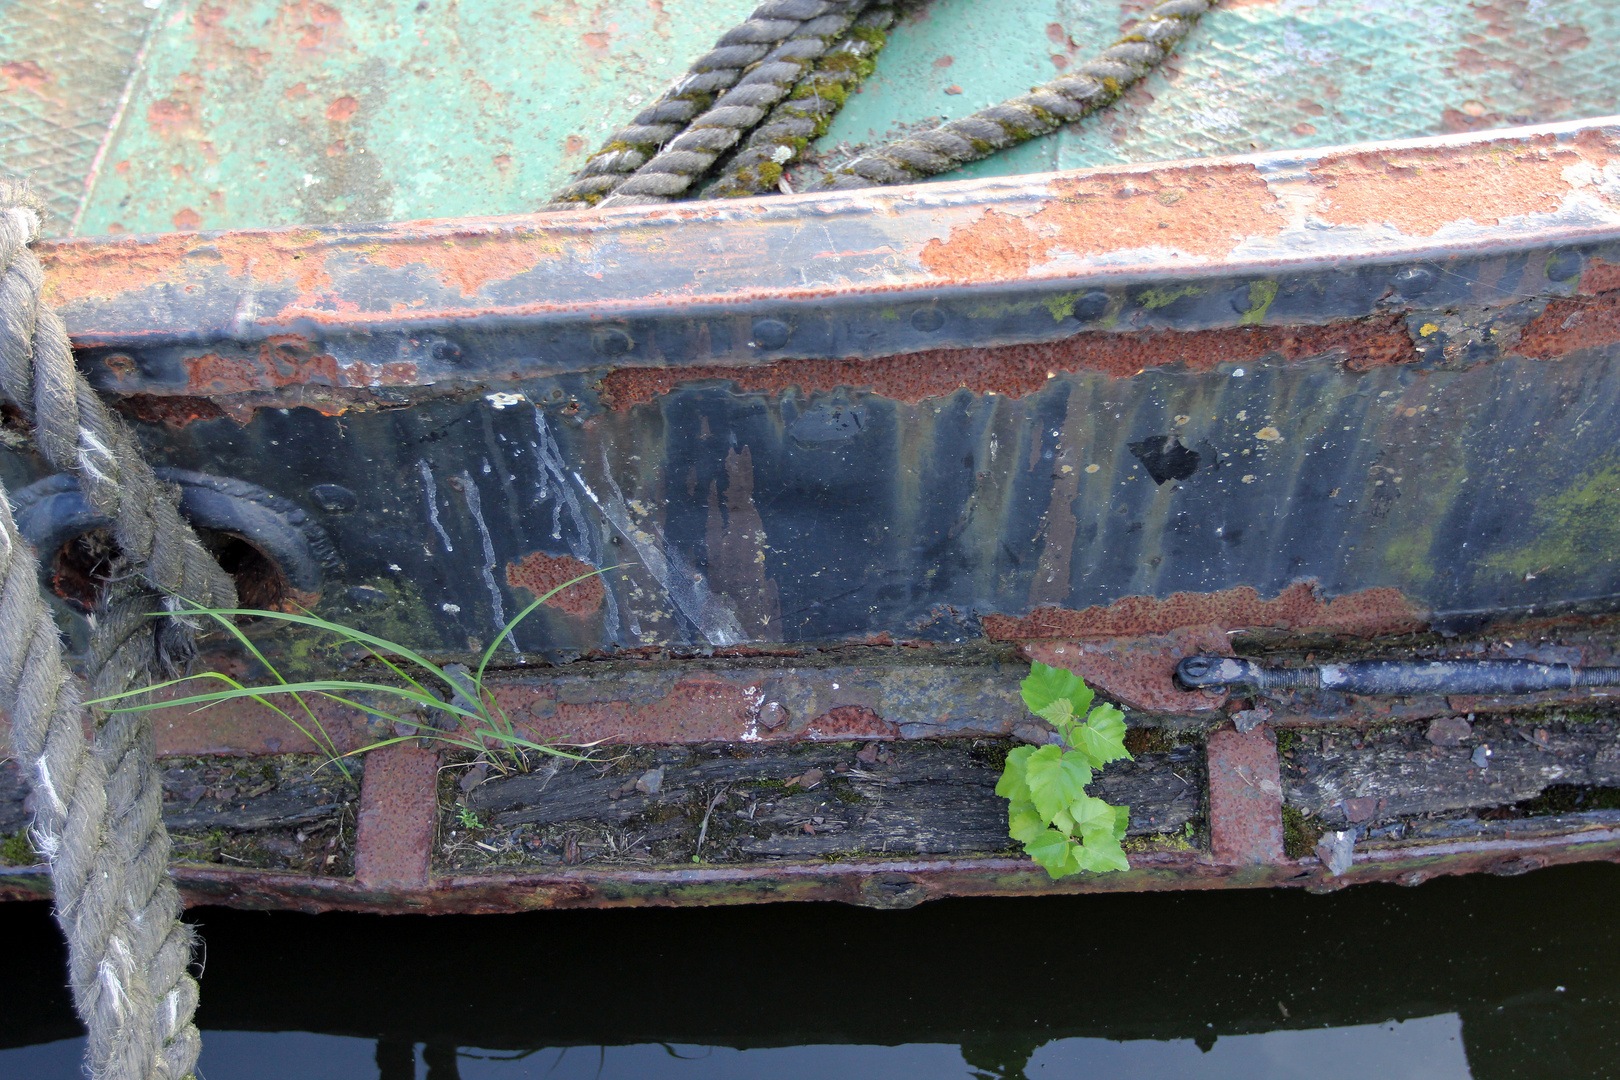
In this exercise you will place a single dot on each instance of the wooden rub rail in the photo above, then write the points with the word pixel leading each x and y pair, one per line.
pixel 882 823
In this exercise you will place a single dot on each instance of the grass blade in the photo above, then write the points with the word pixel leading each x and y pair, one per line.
pixel 483 662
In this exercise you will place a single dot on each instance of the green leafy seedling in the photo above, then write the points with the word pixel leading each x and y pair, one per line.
pixel 1048 810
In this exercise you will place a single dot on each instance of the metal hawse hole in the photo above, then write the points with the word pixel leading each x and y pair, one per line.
pixel 84 565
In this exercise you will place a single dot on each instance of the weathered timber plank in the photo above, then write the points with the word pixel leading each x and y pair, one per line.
pixel 277 812
pixel 1346 778
pixel 922 797
pixel 248 795
pixel 1470 827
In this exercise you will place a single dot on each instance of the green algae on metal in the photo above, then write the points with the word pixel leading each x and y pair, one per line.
pixel 1574 530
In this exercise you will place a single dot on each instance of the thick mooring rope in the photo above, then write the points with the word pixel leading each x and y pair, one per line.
pixel 727 91
pixel 809 111
pixel 674 143
pixel 1092 86
pixel 97 818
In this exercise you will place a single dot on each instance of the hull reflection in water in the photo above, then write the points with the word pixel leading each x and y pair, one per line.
pixel 1429 1048
pixel 1479 978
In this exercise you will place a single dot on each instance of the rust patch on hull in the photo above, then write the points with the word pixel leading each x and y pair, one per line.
pixel 1422 190
pixel 176 412
pixel 288 361
pixel 464 259
pixel 1137 671
pixel 540 573
pixel 398 811
pixel 1201 210
pixel 851 722
pixel 1020 370
pixel 1600 276
pixel 1573 323
pixel 1298 607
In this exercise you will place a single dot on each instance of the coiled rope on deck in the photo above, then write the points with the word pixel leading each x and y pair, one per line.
pixel 98 802
pixel 726 92
pixel 672 145
pixel 1092 86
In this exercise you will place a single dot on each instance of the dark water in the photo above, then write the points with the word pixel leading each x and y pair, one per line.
pixel 1477 977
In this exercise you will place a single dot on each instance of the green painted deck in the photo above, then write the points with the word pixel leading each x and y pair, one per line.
pixel 153 115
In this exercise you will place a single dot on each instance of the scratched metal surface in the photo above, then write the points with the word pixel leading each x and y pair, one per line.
pixel 262 112
pixel 65 66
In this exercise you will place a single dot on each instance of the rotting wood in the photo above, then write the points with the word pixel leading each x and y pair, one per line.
pixel 921 797
pixel 1351 777
pixel 288 811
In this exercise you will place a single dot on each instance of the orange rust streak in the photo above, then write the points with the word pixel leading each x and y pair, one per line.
pixel 287 362
pixel 1202 210
pixel 111 268
pixel 1298 607
pixel 1419 191
pixel 1020 370
pixel 465 262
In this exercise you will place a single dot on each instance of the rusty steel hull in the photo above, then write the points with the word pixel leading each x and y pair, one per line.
pixel 993 408
pixel 855 459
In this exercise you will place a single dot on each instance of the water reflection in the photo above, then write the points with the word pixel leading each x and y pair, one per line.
pixel 1481 977
pixel 1425 1049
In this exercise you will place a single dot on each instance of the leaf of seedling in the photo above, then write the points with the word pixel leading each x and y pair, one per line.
pixel 1012 785
pixel 1059 714
pixel 1094 820
pixel 1054 851
pixel 1101 857
pixel 1023 823
pixel 1102 736
pixel 1055 779
pixel 1044 685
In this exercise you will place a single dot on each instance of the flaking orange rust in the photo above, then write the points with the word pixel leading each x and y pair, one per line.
pixel 1600 276
pixel 1298 607
pixel 540 573
pixel 1198 209
pixel 1570 324
pixel 1420 191
pixel 1020 370
pixel 210 374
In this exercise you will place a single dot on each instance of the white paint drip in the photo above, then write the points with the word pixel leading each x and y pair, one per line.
pixel 433 504
pixel 475 506
pixel 586 544
pixel 756 701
